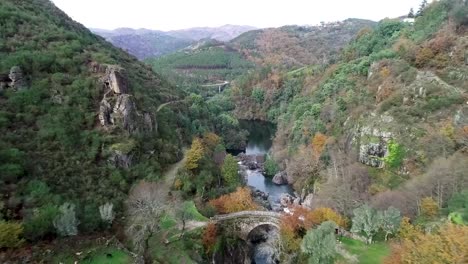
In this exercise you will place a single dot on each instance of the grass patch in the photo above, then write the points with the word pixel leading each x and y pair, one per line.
pixel 186 249
pixel 167 222
pixel 190 209
pixel 98 255
pixel 367 254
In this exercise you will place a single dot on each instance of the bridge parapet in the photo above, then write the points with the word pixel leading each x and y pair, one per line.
pixel 242 223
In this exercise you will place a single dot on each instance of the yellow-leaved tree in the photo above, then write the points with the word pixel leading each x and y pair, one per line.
pixel 195 154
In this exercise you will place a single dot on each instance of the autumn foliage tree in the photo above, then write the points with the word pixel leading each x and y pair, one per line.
pixel 209 237
pixel 300 219
pixel 240 200
pixel 448 245
pixel 429 207
pixel 318 144
pixel 195 154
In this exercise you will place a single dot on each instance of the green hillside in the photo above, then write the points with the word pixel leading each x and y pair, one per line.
pixel 206 63
pixel 75 114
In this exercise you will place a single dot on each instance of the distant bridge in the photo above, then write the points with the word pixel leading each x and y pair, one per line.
pixel 219 85
pixel 243 223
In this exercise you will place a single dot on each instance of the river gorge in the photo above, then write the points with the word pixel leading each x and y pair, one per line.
pixel 264 239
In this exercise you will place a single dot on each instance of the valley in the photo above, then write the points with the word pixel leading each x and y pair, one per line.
pixel 343 142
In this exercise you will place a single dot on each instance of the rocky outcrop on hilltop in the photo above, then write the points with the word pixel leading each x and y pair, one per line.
pixel 118 107
pixel 118 110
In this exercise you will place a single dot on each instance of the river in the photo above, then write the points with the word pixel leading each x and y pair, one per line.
pixel 265 249
pixel 259 143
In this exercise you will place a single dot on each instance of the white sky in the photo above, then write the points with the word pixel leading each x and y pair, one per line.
pixel 178 14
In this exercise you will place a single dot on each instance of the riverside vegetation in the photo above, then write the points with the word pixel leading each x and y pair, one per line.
pixel 371 131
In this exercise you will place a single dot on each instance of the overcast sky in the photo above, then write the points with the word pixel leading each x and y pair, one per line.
pixel 178 14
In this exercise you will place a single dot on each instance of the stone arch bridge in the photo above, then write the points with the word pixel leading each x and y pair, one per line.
pixel 241 224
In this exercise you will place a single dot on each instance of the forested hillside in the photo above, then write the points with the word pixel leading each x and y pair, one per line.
pixel 385 124
pixel 143 43
pixel 361 133
pixel 75 114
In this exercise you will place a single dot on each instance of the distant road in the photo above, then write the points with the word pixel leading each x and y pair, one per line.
pixel 215 84
pixel 166 104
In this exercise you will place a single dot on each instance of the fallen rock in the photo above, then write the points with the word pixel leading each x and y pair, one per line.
pixel 280 178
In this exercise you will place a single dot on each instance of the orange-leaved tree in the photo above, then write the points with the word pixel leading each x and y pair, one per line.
pixel 300 219
pixel 240 200
pixel 318 144
pixel 324 214
pixel 209 237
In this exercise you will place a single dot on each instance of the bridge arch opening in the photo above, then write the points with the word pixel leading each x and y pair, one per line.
pixel 264 242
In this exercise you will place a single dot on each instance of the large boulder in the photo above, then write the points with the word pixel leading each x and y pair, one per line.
pixel 307 201
pixel 16 76
pixel 280 178
pixel 286 200
pixel 121 155
pixel 371 154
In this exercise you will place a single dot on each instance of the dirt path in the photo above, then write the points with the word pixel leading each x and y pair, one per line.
pixel 166 104
pixel 171 173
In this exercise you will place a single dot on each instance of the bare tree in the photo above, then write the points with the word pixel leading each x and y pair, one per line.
pixel 345 188
pixel 145 206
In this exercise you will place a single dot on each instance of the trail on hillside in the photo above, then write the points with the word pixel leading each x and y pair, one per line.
pixel 173 198
pixel 166 104
pixel 170 176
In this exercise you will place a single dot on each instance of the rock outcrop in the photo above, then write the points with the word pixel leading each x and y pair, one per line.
pixel 16 76
pixel 118 107
pixel 286 200
pixel 121 160
pixel 280 178
pixel 116 80
pixel 308 200
pixel 371 154
pixel 118 110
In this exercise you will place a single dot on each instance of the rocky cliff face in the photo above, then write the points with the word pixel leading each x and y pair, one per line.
pixel 15 79
pixel 117 107
pixel 118 110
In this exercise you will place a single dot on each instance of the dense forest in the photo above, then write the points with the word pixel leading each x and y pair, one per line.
pixel 107 159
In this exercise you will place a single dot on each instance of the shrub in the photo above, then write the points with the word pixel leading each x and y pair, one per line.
pixel 40 222
pixel 66 223
pixel 230 171
pixel 107 213
pixel 271 167
pixel 240 200
pixel 258 95
pixel 10 234
pixel 209 237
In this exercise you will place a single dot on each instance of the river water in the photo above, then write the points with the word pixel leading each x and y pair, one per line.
pixel 259 143
pixel 265 250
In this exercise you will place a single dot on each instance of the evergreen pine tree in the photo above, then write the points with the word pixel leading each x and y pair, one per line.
pixel 411 13
pixel 421 8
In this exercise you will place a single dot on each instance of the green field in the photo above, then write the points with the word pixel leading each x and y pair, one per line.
pixel 98 255
pixel 366 254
